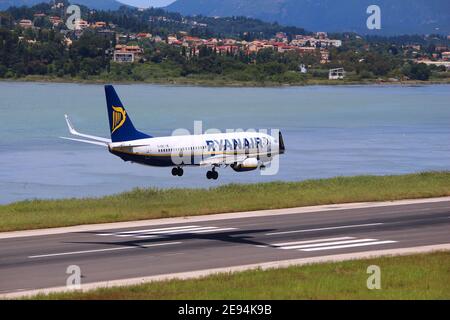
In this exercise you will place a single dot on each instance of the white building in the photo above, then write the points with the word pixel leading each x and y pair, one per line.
pixel 336 74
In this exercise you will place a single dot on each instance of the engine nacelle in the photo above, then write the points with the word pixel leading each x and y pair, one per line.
pixel 248 164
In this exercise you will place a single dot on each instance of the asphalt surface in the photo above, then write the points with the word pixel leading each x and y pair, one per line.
pixel 35 262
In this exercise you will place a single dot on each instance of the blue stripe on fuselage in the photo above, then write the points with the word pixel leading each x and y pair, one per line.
pixel 149 160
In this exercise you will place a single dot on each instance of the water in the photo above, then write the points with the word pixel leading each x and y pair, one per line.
pixel 328 131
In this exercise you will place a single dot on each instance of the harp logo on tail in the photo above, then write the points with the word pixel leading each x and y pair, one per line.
pixel 118 118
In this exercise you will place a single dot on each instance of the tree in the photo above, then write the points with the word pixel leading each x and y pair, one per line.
pixel 417 71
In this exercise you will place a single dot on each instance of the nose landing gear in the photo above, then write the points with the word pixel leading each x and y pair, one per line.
pixel 213 174
pixel 177 171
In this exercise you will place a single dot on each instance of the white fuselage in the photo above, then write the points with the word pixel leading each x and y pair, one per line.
pixel 196 149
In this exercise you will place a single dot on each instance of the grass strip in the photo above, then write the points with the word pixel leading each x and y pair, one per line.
pixel 156 203
pixel 423 276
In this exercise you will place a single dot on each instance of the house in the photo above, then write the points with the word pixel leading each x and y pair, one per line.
pixel 124 53
pixel 227 49
pixel 58 5
pixel 281 37
pixel 446 56
pixel 55 20
pixel 229 42
pixel 81 24
pixel 172 39
pixel 415 47
pixel 99 24
pixel 306 49
pixel 121 38
pixel 286 48
pixel 157 39
pixel 336 74
pixel 441 48
pixel 144 35
pixel 324 56
pixel 25 23
pixel 321 35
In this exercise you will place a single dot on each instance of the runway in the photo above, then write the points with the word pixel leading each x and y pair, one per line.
pixel 39 259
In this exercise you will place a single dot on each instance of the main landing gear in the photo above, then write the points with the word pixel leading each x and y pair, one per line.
pixel 213 174
pixel 177 171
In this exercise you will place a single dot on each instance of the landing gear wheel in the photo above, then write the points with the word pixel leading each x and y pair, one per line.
pixel 212 175
pixel 177 171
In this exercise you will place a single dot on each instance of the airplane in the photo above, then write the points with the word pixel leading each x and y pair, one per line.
pixel 242 151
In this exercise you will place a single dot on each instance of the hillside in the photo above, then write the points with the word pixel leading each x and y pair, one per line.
pixel 94 4
pixel 398 16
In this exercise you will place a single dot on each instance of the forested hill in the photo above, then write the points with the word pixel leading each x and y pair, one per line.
pixel 93 4
pixel 398 16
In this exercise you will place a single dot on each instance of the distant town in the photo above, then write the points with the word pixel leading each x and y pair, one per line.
pixel 174 47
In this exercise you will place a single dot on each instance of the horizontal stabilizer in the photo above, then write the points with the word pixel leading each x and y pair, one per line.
pixel 98 143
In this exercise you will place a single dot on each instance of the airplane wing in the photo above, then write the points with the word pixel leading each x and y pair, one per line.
pixel 76 133
pixel 223 160
pixel 220 160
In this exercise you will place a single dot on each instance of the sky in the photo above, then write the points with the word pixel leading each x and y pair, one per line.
pixel 147 3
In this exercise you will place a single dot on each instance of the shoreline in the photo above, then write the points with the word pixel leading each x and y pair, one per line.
pixel 184 82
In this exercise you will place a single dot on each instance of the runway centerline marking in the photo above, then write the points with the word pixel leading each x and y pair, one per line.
pixel 327 228
pixel 102 250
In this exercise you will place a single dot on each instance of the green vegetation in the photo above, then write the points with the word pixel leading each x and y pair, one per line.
pixel 153 203
pixel 425 276
pixel 44 52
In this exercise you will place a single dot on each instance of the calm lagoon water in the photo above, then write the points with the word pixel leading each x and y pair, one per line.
pixel 328 131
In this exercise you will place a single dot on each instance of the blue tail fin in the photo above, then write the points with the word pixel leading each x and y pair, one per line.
pixel 122 129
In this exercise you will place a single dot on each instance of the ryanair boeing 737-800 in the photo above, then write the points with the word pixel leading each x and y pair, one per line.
pixel 242 151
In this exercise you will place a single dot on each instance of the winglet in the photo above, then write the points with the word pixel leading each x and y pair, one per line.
pixel 69 124
pixel 74 132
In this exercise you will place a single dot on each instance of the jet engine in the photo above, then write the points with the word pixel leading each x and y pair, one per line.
pixel 248 164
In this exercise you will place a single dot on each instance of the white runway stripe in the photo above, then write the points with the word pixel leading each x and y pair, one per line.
pixel 165 232
pixel 330 244
pixel 160 232
pixel 311 241
pixel 145 231
pixel 350 245
pixel 323 244
pixel 185 230
pixel 212 229
pixel 327 228
pixel 102 250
